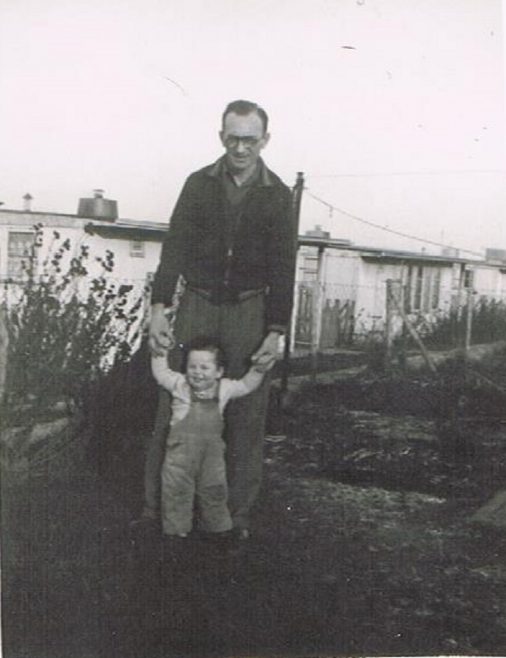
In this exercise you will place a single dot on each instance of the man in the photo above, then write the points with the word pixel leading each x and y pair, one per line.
pixel 231 238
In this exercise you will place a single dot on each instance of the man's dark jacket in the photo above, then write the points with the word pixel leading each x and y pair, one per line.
pixel 256 252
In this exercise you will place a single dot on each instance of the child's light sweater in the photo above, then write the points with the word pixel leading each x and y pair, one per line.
pixel 177 384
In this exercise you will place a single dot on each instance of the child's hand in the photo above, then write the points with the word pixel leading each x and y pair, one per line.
pixel 160 337
pixel 264 364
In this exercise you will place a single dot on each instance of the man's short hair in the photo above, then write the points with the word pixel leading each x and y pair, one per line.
pixel 246 107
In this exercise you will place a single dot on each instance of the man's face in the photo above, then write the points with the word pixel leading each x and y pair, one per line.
pixel 243 138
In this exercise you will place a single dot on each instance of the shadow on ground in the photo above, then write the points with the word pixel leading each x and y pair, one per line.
pixel 337 565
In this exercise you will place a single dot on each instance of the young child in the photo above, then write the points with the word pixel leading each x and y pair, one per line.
pixel 194 464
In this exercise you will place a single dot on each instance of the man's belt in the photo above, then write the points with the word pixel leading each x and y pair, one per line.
pixel 225 295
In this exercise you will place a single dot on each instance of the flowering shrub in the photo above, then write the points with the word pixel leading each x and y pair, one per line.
pixel 65 327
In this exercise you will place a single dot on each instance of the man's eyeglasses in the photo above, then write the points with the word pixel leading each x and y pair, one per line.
pixel 232 141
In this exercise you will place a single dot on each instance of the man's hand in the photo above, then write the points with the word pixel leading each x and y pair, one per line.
pixel 267 353
pixel 264 366
pixel 159 331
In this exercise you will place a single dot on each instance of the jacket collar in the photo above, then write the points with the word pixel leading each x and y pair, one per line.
pixel 264 179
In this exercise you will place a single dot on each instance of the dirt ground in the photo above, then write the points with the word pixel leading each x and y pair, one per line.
pixel 362 545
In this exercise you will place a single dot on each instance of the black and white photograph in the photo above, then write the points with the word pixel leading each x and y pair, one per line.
pixel 252 328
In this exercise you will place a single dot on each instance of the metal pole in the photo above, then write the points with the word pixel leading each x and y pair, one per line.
pixel 469 322
pixel 317 314
pixel 388 324
pixel 296 204
pixel 4 349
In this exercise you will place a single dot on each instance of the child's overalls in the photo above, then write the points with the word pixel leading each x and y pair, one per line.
pixel 194 465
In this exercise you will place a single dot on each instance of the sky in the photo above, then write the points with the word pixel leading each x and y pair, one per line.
pixel 393 109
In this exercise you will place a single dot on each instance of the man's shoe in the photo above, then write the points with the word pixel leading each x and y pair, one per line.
pixel 239 541
pixel 243 534
pixel 144 528
pixel 218 543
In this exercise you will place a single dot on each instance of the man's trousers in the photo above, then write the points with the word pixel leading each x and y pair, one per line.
pixel 240 329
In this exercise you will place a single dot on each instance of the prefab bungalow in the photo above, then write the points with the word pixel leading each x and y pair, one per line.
pixel 135 245
pixel 341 289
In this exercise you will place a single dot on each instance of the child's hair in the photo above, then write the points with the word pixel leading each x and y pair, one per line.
pixel 204 344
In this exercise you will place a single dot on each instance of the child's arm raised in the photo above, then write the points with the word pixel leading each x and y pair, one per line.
pixel 251 380
pixel 163 374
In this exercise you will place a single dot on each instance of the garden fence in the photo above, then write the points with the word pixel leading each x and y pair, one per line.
pixel 335 316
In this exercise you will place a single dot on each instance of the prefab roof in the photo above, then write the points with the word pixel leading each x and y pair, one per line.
pixel 122 228
pixel 128 230
pixel 387 255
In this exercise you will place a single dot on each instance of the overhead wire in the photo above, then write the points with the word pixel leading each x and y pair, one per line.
pixel 402 234
pixel 422 172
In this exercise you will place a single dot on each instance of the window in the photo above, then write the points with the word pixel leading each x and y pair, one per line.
pixel 309 267
pixel 468 278
pixel 417 301
pixel 136 249
pixel 408 287
pixel 19 249
pixel 436 287
pixel 422 288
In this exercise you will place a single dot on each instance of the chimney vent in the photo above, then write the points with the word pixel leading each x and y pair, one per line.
pixel 98 207
pixel 27 205
pixel 496 255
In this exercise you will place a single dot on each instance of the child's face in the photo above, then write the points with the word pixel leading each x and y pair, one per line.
pixel 202 371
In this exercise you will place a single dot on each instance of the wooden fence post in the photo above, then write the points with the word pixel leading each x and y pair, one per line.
pixel 414 334
pixel 4 346
pixel 469 322
pixel 317 314
pixel 404 335
pixel 394 298
pixel 389 324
